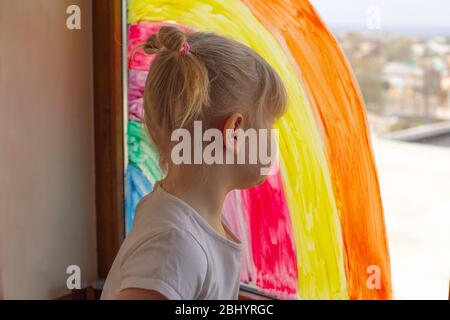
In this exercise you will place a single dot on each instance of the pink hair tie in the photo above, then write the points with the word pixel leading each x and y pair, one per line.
pixel 186 48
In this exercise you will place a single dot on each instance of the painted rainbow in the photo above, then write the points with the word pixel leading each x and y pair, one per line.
pixel 315 230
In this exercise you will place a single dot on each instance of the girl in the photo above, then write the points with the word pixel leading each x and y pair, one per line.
pixel 180 247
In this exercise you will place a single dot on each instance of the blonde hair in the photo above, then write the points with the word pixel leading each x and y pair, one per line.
pixel 207 79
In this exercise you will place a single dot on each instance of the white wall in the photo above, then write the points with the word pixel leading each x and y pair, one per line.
pixel 47 217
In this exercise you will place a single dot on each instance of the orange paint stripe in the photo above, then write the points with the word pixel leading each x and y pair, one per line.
pixel 335 95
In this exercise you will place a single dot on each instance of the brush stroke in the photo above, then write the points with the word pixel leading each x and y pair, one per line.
pixel 238 219
pixel 136 187
pixel 141 153
pixel 136 86
pixel 271 236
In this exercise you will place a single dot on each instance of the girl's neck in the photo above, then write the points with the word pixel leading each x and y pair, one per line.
pixel 206 196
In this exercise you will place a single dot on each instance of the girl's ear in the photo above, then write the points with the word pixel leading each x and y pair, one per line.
pixel 232 123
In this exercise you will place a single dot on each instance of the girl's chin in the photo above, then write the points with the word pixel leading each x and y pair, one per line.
pixel 260 180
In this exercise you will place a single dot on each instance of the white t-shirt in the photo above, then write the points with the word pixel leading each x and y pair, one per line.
pixel 173 250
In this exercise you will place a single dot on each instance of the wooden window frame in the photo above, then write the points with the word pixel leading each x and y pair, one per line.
pixel 109 92
pixel 108 130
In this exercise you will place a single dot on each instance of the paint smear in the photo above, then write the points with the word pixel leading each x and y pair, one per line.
pixel 238 220
pixel 337 98
pixel 271 237
pixel 141 153
pixel 136 187
pixel 136 86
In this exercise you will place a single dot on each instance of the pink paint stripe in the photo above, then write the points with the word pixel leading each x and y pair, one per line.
pixel 268 257
pixel 136 85
pixel 271 238
pixel 237 218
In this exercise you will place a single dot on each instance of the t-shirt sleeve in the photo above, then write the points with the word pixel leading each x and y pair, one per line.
pixel 171 263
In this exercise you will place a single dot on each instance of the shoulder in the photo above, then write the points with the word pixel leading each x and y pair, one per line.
pixel 157 212
pixel 168 243
pixel 171 262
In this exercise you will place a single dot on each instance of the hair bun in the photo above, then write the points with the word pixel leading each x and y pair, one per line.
pixel 168 37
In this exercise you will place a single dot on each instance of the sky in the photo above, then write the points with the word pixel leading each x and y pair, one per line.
pixel 393 13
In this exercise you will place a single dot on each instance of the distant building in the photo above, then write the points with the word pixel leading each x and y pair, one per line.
pixel 400 78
